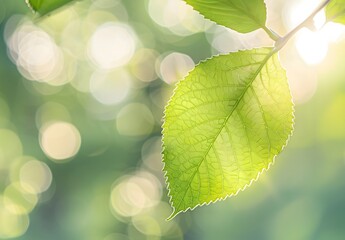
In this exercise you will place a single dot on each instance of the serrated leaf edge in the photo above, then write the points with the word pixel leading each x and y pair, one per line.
pixel 174 213
pixel 208 19
pixel 30 6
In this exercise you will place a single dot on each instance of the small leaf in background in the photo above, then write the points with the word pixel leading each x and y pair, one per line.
pixel 44 7
pixel 240 15
pixel 335 11
pixel 225 123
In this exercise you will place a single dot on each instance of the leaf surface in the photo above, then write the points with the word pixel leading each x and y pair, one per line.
pixel 44 7
pixel 240 15
pixel 225 123
pixel 335 11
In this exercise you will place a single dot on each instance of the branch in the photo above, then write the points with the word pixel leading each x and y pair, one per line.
pixel 282 41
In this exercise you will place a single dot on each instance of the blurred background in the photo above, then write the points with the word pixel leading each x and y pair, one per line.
pixel 82 94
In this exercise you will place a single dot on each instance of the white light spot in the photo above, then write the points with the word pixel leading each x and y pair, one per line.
pixel 297 11
pixel 112 45
pixel 35 53
pixel 319 20
pixel 167 13
pixel 312 46
pixel 333 31
pixel 60 140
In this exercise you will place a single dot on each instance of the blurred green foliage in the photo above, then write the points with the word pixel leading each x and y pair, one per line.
pixel 113 187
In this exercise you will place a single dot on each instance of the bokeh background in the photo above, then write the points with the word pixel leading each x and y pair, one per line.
pixel 82 94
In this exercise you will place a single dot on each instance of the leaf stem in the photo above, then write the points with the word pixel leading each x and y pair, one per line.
pixel 275 37
pixel 283 40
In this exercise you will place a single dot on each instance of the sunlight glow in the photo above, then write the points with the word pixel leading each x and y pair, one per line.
pixel 298 11
pixel 313 46
pixel 333 31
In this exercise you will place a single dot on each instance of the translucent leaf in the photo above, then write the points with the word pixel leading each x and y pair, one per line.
pixel 224 125
pixel 241 15
pixel 335 11
pixel 46 6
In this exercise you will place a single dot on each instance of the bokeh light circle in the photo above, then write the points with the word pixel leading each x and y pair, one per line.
pixel 110 88
pixel 35 53
pixel 36 175
pixel 60 140
pixel 143 64
pixel 18 200
pixel 132 194
pixel 175 66
pixel 12 225
pixel 112 45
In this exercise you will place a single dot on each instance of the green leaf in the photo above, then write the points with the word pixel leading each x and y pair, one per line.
pixel 224 125
pixel 240 15
pixel 335 11
pixel 44 7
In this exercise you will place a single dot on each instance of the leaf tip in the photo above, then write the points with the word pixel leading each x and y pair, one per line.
pixel 173 215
